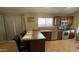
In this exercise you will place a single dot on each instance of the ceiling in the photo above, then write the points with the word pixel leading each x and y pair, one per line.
pixel 53 10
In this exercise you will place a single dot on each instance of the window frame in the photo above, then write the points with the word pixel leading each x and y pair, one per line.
pixel 45 22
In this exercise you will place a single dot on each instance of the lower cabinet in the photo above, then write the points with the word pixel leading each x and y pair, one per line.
pixel 59 35
pixel 37 45
pixel 47 35
pixel 65 34
pixel 72 34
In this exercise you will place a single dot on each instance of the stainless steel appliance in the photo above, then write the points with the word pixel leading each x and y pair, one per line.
pixel 65 34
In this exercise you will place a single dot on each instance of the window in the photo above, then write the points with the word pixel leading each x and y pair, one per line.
pixel 45 22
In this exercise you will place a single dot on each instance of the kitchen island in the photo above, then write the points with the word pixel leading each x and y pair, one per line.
pixel 36 41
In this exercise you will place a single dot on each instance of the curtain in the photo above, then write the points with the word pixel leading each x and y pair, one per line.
pixel 14 25
pixel 2 29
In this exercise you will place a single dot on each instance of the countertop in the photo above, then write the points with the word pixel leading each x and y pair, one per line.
pixel 33 35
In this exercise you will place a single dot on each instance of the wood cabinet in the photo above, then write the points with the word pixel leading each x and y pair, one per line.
pixel 58 19
pixel 59 35
pixel 47 35
pixel 36 41
pixel 37 45
pixel 70 18
pixel 72 34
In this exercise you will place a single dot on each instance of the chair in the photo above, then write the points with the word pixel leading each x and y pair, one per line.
pixel 23 33
pixel 22 47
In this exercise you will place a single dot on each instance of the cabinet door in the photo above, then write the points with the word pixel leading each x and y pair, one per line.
pixel 72 34
pixel 58 19
pixel 47 35
pixel 70 18
pixel 37 45
pixel 59 35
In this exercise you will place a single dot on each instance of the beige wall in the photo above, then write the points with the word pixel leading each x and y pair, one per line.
pixel 33 25
pixel 76 21
pixel 30 25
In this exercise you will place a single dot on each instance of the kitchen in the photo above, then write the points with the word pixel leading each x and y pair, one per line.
pixel 54 28
pixel 62 29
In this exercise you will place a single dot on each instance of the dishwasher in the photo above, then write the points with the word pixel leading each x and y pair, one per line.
pixel 54 35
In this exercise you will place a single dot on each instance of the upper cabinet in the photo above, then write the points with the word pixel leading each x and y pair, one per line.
pixel 59 19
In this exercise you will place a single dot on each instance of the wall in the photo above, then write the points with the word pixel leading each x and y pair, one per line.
pixel 30 25
pixel 33 25
pixel 76 21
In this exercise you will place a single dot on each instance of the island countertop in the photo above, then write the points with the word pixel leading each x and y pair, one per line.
pixel 33 35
